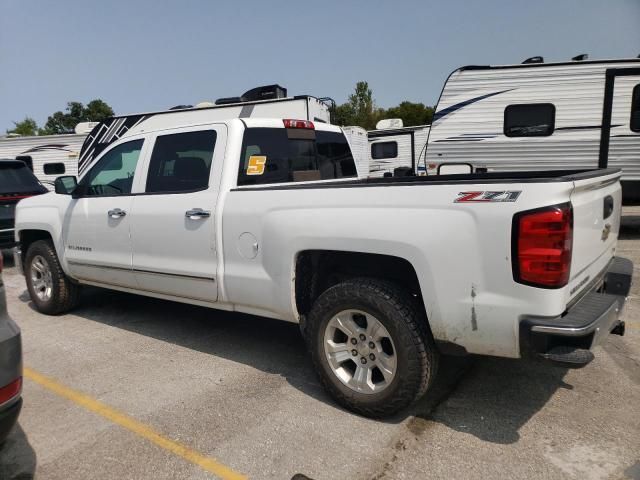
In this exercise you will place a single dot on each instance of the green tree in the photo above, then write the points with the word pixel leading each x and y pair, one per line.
pixel 26 127
pixel 359 110
pixel 411 113
pixel 97 111
pixel 363 106
pixel 343 115
pixel 76 112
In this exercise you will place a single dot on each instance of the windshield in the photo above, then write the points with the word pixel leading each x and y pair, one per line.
pixel 15 177
pixel 280 155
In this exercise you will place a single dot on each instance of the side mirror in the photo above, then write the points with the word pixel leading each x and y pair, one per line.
pixel 65 185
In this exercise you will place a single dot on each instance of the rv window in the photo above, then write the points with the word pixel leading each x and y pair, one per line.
pixel 384 150
pixel 54 168
pixel 181 162
pixel 635 109
pixel 280 155
pixel 532 120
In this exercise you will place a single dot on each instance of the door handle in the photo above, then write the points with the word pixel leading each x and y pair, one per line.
pixel 197 213
pixel 116 213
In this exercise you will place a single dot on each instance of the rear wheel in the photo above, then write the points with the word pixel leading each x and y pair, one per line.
pixel 371 346
pixel 51 291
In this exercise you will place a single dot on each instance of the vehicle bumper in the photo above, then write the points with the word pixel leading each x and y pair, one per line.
pixel 10 365
pixel 9 417
pixel 568 339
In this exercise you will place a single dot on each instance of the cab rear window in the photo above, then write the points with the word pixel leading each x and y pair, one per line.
pixel 281 155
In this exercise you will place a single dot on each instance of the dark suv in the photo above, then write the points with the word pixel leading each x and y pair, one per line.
pixel 16 182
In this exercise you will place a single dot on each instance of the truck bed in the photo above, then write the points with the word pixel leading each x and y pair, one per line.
pixel 462 179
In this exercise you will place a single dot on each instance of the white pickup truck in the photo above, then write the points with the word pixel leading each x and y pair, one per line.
pixel 267 217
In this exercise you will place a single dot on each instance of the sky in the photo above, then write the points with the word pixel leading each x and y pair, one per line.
pixel 146 55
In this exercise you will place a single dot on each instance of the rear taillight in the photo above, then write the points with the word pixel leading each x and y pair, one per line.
pixel 291 123
pixel 1 262
pixel 10 391
pixel 541 246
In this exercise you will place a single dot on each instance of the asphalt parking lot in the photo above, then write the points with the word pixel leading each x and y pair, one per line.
pixel 129 387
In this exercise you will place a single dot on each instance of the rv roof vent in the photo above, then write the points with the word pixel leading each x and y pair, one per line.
pixel 85 127
pixel 181 107
pixel 204 104
pixel 534 60
pixel 228 100
pixel 581 57
pixel 267 92
pixel 389 123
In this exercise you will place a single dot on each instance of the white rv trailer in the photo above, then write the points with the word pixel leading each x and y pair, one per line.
pixel 357 138
pixel 49 156
pixel 391 148
pixel 541 116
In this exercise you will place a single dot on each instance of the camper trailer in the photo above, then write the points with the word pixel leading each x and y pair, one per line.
pixel 393 146
pixel 359 144
pixel 48 156
pixel 542 116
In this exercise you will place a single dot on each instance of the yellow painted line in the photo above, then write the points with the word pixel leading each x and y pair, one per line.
pixel 206 463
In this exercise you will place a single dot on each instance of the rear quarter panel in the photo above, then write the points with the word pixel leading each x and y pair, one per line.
pixel 461 251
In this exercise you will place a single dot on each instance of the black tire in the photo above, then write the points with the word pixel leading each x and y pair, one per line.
pixel 64 293
pixel 416 354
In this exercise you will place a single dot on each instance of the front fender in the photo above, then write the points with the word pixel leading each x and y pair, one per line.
pixel 31 214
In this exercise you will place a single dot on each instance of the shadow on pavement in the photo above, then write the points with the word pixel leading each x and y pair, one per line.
pixel 492 398
pixel 272 346
pixel 17 457
pixel 496 398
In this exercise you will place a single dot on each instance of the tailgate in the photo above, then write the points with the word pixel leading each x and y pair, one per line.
pixel 597 205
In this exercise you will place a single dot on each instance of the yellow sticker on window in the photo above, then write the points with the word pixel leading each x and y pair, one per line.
pixel 256 164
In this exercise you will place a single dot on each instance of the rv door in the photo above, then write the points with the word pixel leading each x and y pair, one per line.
pixel 620 140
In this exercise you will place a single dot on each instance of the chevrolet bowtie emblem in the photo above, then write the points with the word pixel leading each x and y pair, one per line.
pixel 605 231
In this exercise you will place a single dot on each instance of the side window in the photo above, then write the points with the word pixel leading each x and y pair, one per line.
pixel 54 168
pixel 113 174
pixel 181 162
pixel 281 155
pixel 635 109
pixel 384 150
pixel 530 120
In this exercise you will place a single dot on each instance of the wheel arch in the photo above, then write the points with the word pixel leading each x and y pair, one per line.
pixel 317 270
pixel 27 236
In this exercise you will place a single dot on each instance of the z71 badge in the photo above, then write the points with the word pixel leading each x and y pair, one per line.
pixel 503 196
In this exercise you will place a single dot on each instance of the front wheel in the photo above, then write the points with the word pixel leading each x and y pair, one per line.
pixel 371 346
pixel 51 291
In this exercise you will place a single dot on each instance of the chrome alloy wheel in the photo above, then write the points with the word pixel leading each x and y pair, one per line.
pixel 360 351
pixel 41 279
